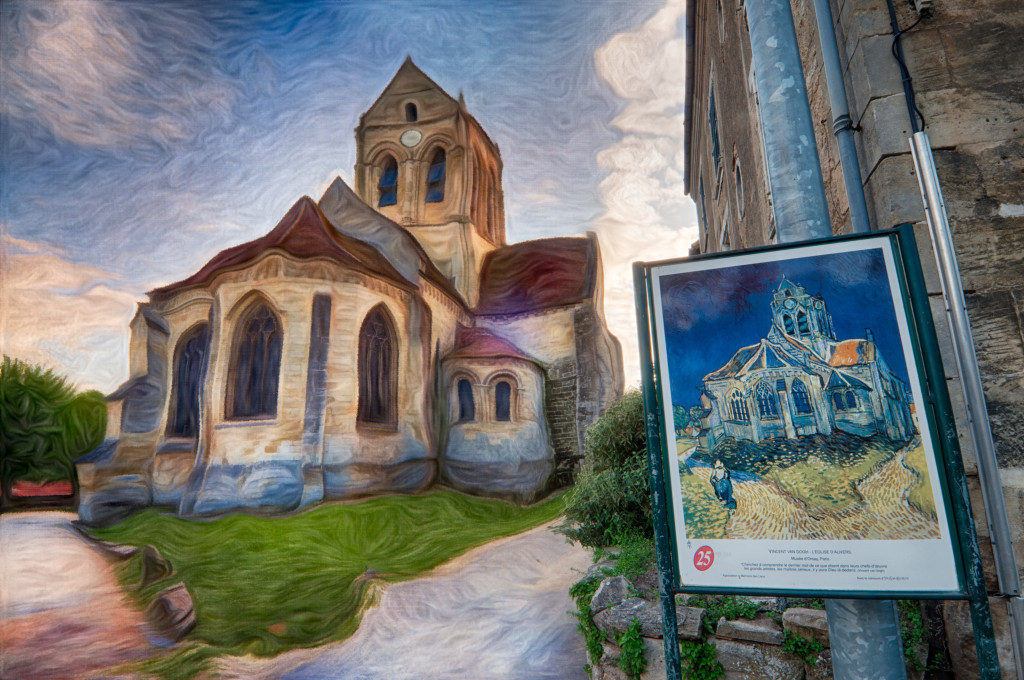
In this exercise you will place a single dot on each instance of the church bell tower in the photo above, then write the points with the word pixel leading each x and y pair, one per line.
pixel 423 161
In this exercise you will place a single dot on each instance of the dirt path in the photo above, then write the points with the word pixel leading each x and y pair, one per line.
pixel 61 613
pixel 500 612
pixel 763 511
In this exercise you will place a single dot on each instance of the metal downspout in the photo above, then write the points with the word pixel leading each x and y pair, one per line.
pixel 842 125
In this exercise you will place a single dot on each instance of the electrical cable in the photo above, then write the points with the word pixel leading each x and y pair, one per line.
pixel 897 52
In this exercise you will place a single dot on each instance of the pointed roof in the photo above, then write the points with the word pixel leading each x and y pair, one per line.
pixel 481 343
pixel 303 232
pixel 535 275
pixel 409 79
pixel 840 379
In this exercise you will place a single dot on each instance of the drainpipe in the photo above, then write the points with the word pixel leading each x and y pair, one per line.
pixel 842 125
pixel 864 633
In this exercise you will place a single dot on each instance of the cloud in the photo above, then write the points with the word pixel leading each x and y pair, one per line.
pixel 647 214
pixel 62 315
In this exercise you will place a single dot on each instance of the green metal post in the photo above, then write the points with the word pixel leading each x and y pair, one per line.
pixel 659 487
pixel 981 616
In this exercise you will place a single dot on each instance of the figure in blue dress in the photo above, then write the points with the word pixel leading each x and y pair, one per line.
pixel 723 485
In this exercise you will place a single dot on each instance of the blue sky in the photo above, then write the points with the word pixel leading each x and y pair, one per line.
pixel 139 138
pixel 711 314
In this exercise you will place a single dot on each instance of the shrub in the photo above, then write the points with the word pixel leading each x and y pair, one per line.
pixel 611 500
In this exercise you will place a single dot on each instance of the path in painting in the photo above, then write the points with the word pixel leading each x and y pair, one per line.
pixel 61 612
pixel 764 511
pixel 500 612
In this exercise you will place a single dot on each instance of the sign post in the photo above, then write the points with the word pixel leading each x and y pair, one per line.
pixel 816 458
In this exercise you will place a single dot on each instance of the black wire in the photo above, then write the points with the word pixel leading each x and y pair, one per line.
pixel 897 53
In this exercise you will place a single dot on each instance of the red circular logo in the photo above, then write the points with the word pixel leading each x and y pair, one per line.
pixel 703 558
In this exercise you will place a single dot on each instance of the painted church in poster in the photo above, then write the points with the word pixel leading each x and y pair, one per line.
pixel 381 339
pixel 800 380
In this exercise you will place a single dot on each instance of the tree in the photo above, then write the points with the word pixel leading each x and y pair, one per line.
pixel 45 424
pixel 681 417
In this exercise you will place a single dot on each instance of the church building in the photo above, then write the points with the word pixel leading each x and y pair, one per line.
pixel 800 381
pixel 381 339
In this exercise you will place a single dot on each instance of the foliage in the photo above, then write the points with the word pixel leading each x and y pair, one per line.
pixel 913 631
pixel 920 493
pixel 680 417
pixel 731 607
pixel 631 657
pixel 611 499
pixel 46 424
pixel 806 650
pixel 699 662
pixel 264 585
pixel 583 592
pixel 633 556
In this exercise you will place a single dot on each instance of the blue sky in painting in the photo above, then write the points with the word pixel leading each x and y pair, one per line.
pixel 137 139
pixel 711 314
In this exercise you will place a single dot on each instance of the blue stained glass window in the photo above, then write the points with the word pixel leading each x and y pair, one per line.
pixel 503 401
pixel 801 399
pixel 467 411
pixel 435 178
pixel 851 400
pixel 767 406
pixel 256 365
pixel 388 185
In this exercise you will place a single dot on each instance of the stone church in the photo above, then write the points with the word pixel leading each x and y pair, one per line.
pixel 800 381
pixel 383 339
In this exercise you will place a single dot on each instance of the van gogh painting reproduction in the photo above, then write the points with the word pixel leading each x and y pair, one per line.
pixel 799 421
pixel 352 280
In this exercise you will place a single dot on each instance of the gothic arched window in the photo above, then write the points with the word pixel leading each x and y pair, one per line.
pixel 837 401
pixel 411 115
pixel 435 178
pixel 801 399
pixel 189 362
pixel 767 405
pixel 388 185
pixel 851 400
pixel 787 320
pixel 801 319
pixel 378 369
pixel 467 411
pixel 739 407
pixel 255 365
pixel 503 401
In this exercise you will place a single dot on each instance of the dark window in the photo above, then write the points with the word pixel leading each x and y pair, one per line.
pixel 767 406
pixel 466 409
pixel 801 399
pixel 739 407
pixel 503 401
pixel 801 319
pixel 256 365
pixel 703 209
pixel 716 151
pixel 388 185
pixel 837 401
pixel 378 369
pixel 188 381
pixel 411 114
pixel 787 320
pixel 851 400
pixel 435 178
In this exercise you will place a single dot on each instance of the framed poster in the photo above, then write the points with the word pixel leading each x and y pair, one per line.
pixel 798 450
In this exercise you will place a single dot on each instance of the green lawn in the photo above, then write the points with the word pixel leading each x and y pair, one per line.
pixel 264 585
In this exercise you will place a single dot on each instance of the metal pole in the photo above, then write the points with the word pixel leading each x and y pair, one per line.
pixel 973 389
pixel 864 634
pixel 842 125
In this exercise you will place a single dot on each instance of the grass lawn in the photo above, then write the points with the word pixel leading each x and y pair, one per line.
pixel 264 585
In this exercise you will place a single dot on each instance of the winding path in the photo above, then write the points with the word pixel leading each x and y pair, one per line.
pixel 499 612
pixel 61 612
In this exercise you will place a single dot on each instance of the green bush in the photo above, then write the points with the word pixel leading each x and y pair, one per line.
pixel 631 657
pixel 698 661
pixel 611 500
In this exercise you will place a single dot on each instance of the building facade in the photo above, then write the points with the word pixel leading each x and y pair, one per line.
pixel 378 340
pixel 959 80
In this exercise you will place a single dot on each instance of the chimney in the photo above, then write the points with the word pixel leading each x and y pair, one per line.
pixel 869 336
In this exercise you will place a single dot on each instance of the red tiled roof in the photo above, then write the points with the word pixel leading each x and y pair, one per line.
pixel 303 232
pixel 535 275
pixel 478 342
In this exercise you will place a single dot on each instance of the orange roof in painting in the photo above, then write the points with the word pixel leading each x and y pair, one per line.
pixel 303 232
pixel 852 352
pixel 535 275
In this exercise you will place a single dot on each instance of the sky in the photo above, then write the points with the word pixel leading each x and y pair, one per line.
pixel 139 138
pixel 732 306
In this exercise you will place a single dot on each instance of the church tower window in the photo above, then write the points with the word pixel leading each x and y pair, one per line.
pixel 435 178
pixel 801 399
pixel 256 365
pixel 388 185
pixel 467 411
pixel 378 369
pixel 411 115
pixel 188 373
pixel 767 406
pixel 801 319
pixel 503 401
pixel 787 320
